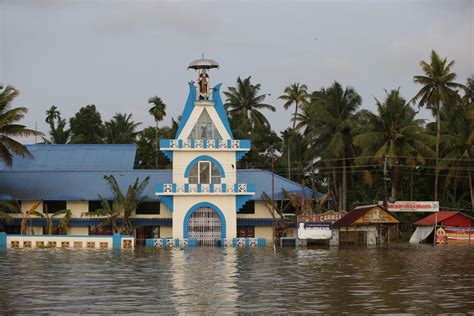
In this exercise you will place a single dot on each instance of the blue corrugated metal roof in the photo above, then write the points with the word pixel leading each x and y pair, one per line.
pixel 76 157
pixel 87 185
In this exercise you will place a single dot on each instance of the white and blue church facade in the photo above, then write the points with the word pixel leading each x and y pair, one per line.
pixel 203 198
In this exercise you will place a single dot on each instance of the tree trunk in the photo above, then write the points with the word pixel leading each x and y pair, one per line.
pixel 289 163
pixel 411 186
pixel 344 184
pixel 438 133
pixel 395 180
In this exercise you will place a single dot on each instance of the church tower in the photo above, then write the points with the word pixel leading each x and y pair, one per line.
pixel 204 195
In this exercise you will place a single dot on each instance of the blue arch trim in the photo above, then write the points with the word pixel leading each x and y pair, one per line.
pixel 188 108
pixel 216 97
pixel 206 158
pixel 197 206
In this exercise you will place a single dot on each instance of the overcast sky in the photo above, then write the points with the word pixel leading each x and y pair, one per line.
pixel 117 54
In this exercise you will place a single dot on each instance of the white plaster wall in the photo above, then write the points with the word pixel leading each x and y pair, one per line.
pixel 181 160
pixel 224 202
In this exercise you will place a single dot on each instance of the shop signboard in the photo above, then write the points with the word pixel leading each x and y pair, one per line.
pixel 315 230
pixel 413 206
pixel 329 216
pixel 460 234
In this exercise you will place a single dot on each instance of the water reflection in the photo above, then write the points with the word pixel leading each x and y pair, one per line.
pixel 421 279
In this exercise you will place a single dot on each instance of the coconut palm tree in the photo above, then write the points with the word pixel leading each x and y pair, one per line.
pixel 121 129
pixel 58 134
pixel 245 102
pixel 7 208
pixel 52 115
pixel 330 131
pixel 9 129
pixel 158 111
pixel 298 94
pixel 457 146
pixel 123 206
pixel 439 89
pixel 393 133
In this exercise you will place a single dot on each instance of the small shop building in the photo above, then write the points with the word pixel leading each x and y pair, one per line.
pixel 454 226
pixel 369 225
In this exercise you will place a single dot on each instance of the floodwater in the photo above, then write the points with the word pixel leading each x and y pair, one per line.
pixel 404 278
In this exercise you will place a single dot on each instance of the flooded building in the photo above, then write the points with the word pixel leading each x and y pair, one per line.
pixel 203 197
pixel 369 225
pixel 451 226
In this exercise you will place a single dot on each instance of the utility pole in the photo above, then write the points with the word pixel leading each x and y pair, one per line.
pixel 385 178
pixel 273 198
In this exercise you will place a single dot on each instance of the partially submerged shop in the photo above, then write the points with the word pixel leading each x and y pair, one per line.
pixel 369 225
pixel 450 226
pixel 317 229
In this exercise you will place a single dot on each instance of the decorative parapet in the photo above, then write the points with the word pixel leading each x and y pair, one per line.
pixel 205 144
pixel 183 243
pixel 170 243
pixel 115 241
pixel 203 189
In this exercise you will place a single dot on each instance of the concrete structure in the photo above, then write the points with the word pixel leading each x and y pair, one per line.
pixel 368 225
pixel 203 197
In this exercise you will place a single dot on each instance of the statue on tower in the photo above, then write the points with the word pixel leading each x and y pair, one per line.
pixel 203 83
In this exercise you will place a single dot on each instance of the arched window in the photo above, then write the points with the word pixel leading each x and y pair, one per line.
pixel 205 172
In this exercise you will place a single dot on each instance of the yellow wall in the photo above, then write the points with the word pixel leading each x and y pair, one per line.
pixel 264 232
pixel 78 207
pixel 78 231
pixel 166 232
pixel 261 211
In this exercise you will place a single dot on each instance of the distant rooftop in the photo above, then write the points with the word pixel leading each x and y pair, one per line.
pixel 76 157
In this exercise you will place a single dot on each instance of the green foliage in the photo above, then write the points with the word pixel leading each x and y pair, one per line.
pixel 123 206
pixel 86 126
pixel 10 129
pixel 393 133
pixel 245 103
pixel 121 129
pixel 59 134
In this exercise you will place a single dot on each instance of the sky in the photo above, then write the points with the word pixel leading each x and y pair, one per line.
pixel 117 54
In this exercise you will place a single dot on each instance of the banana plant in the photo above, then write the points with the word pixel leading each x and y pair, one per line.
pixel 27 217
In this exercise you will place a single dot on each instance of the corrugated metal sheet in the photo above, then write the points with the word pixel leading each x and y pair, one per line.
pixel 431 219
pixel 87 185
pixel 80 157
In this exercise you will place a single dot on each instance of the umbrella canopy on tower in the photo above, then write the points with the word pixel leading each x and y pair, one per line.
pixel 203 63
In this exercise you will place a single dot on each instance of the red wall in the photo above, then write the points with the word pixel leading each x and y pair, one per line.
pixel 457 220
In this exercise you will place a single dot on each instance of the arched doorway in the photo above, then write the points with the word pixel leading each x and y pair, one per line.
pixel 205 226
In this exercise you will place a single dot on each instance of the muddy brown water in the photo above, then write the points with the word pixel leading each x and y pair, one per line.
pixel 410 279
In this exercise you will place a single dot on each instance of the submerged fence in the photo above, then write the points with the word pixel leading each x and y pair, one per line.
pixel 115 241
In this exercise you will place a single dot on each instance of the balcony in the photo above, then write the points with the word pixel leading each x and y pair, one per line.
pixel 205 144
pixel 205 189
